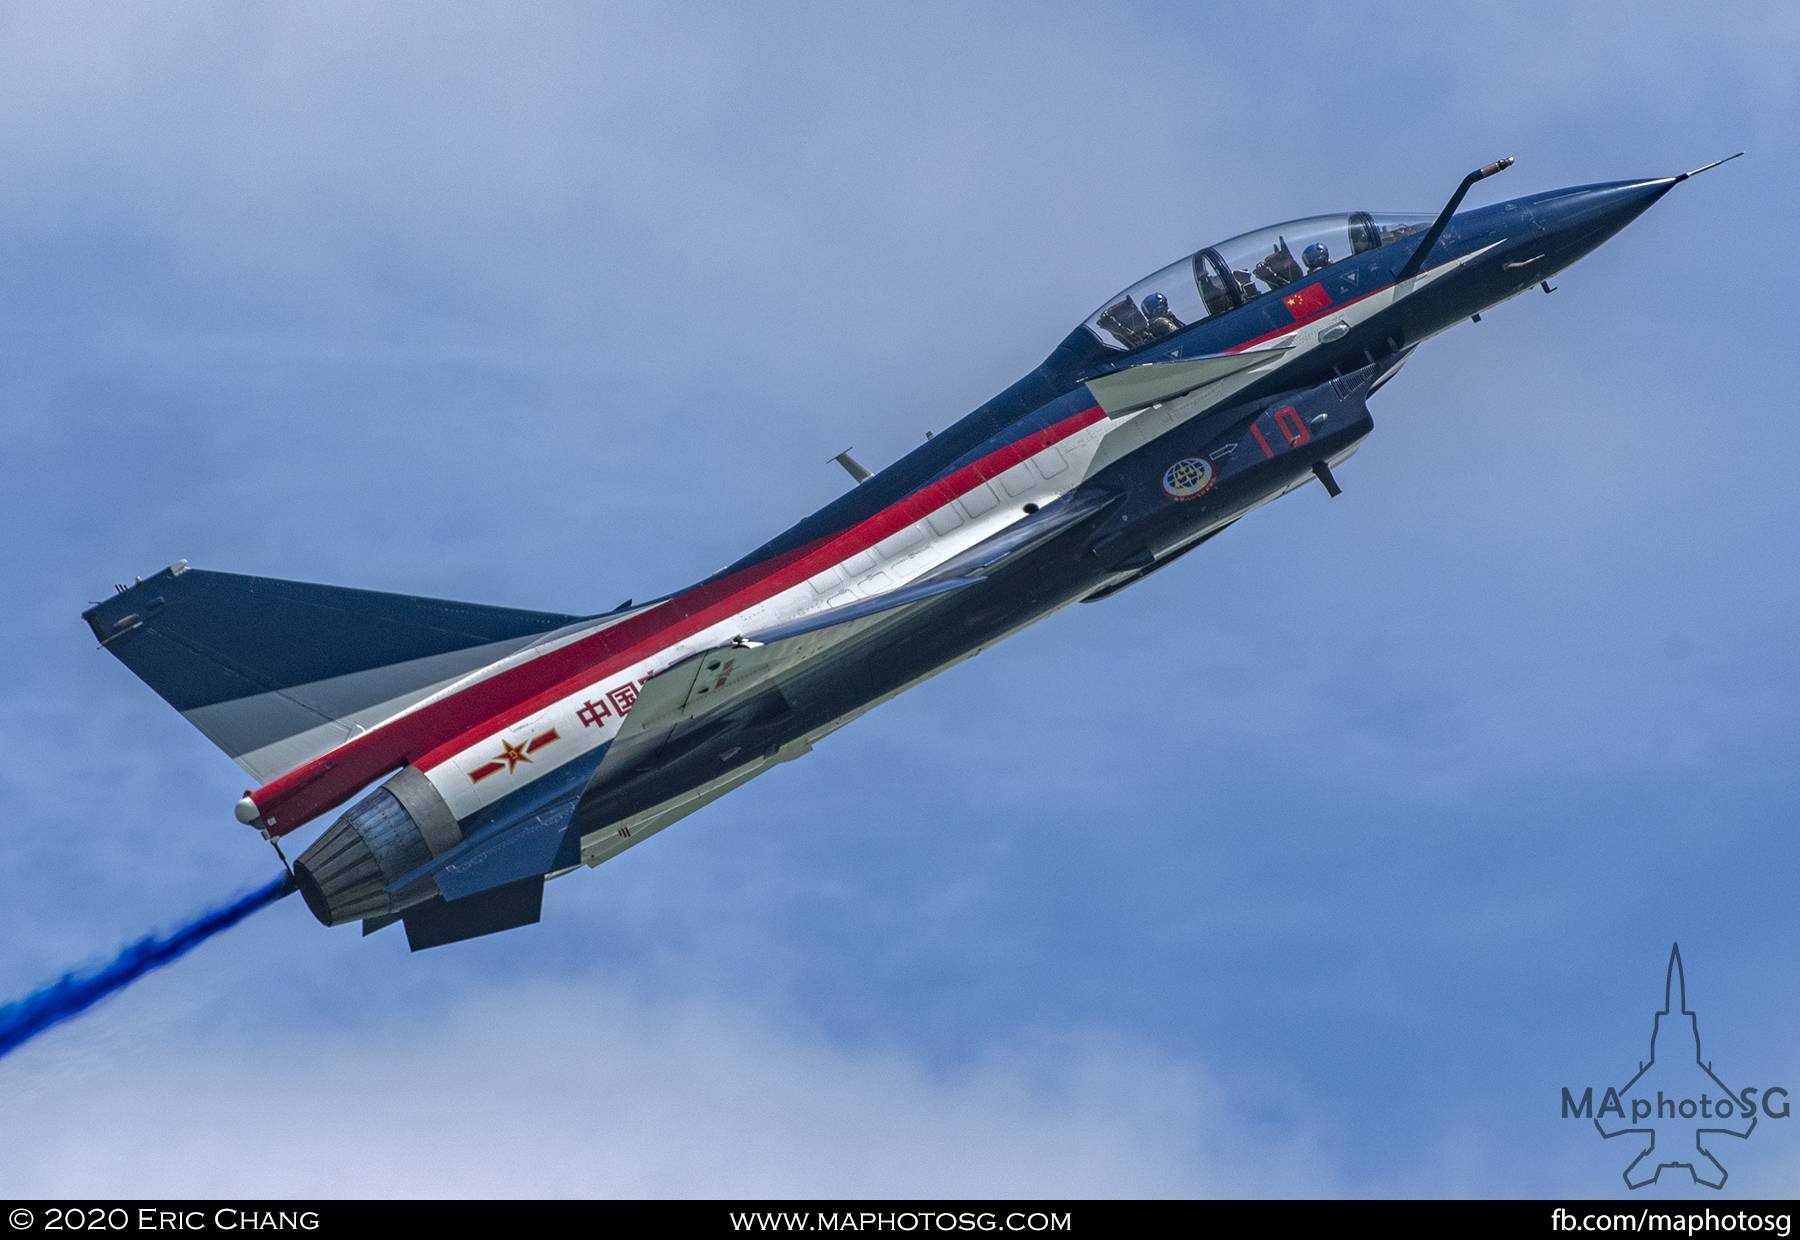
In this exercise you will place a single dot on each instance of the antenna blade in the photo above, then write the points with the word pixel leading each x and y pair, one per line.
pixel 852 466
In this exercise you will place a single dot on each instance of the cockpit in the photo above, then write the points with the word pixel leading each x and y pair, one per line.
pixel 1235 273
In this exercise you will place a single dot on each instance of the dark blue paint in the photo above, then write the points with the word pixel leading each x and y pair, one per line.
pixel 206 637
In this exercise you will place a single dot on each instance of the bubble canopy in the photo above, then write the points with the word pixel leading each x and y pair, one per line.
pixel 1235 273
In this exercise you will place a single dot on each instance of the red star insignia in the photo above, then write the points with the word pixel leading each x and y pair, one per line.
pixel 511 754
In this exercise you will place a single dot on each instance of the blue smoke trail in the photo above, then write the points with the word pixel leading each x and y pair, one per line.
pixel 75 992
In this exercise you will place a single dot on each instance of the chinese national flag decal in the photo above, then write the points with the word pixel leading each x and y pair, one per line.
pixel 1311 300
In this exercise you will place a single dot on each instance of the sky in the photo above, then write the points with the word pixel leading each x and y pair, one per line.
pixel 1318 865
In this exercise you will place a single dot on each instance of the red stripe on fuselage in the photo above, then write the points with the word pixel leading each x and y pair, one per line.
pixel 435 732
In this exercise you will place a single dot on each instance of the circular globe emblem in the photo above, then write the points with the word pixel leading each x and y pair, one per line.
pixel 1189 478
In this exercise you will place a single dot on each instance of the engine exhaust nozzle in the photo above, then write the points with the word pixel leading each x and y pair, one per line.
pixel 347 873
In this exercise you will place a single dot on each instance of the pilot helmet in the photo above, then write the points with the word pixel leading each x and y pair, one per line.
pixel 1156 304
pixel 1316 256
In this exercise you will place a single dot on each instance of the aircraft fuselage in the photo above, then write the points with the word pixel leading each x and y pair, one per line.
pixel 1205 391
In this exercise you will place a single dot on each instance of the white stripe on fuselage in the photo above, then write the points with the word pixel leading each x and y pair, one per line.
pixel 590 717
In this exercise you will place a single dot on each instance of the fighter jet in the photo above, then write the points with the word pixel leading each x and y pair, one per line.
pixel 515 746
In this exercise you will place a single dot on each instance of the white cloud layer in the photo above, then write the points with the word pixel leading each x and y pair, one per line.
pixel 593 1091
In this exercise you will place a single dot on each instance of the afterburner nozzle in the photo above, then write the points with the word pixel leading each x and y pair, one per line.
pixel 350 872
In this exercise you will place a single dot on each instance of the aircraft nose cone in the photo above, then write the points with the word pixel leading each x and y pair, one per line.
pixel 1580 219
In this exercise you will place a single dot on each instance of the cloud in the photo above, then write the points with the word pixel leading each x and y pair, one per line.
pixel 591 1090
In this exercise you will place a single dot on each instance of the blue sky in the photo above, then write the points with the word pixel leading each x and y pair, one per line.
pixel 1317 865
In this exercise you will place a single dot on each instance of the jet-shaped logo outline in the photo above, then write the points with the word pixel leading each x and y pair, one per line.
pixel 1705 1168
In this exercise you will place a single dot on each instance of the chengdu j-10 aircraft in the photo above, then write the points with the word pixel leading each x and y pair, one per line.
pixel 510 747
